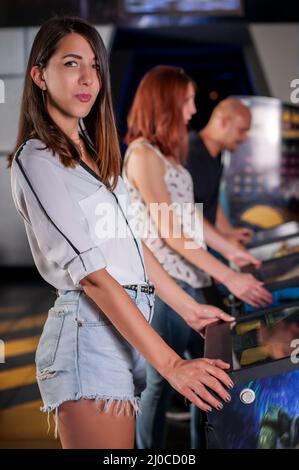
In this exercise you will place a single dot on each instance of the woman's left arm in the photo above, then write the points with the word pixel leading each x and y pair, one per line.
pixel 197 316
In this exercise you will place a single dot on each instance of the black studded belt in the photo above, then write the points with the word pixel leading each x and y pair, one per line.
pixel 148 289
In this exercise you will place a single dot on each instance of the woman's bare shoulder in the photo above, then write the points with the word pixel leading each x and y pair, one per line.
pixel 146 155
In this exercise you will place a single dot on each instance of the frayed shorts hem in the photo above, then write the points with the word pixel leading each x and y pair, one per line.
pixel 121 407
pixel 135 402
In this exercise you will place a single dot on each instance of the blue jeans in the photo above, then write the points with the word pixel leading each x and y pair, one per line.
pixel 81 355
pixel 150 425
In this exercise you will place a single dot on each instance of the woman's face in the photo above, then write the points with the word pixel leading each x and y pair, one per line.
pixel 71 79
pixel 189 106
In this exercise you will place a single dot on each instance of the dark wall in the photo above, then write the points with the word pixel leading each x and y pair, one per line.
pixel 216 57
pixel 34 12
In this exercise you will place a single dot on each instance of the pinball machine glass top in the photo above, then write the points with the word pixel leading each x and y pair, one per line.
pixel 265 338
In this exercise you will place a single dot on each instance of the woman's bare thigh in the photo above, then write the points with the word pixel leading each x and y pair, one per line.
pixel 84 424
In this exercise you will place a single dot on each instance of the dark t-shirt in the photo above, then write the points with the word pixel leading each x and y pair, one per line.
pixel 206 174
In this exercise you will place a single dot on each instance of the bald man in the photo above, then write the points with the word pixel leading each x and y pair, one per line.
pixel 226 130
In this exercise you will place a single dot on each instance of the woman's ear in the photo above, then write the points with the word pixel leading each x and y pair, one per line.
pixel 38 78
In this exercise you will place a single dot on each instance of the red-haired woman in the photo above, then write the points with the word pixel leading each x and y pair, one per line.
pixel 153 170
pixel 66 186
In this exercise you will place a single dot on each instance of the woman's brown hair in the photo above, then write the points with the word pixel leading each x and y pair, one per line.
pixel 99 125
pixel 156 112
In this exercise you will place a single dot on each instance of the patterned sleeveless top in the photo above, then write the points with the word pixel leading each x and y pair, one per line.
pixel 180 187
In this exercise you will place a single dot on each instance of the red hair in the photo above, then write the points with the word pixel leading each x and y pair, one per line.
pixel 156 112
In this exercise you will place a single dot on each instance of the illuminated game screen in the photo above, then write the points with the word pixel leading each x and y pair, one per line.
pixel 262 176
pixel 206 7
pixel 266 338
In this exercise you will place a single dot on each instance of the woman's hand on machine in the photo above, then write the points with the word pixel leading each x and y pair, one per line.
pixel 241 257
pixel 199 316
pixel 247 288
pixel 191 379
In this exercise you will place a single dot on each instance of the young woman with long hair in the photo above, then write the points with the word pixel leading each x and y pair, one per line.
pixel 153 170
pixel 66 186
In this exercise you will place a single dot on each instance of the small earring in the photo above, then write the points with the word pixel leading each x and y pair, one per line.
pixel 44 97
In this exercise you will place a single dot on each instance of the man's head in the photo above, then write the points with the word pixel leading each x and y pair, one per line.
pixel 229 123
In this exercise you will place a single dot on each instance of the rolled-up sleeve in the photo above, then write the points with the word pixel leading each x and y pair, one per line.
pixel 59 225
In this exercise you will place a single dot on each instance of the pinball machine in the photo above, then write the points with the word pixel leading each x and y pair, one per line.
pixel 263 352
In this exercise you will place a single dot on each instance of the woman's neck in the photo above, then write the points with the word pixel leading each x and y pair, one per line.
pixel 69 125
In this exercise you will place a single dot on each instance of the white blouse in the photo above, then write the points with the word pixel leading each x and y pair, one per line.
pixel 180 188
pixel 73 222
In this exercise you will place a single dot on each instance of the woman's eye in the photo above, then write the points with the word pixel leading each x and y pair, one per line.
pixel 189 100
pixel 74 63
pixel 71 63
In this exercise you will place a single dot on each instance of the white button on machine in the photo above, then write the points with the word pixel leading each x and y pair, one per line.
pixel 247 396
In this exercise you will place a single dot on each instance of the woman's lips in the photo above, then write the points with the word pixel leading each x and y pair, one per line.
pixel 83 97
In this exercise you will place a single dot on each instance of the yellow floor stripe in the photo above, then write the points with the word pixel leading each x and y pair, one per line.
pixel 21 346
pixel 17 377
pixel 26 426
pixel 17 324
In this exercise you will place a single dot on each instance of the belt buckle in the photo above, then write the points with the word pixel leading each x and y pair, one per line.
pixel 151 289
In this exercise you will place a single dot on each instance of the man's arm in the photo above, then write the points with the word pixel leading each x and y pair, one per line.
pixel 237 234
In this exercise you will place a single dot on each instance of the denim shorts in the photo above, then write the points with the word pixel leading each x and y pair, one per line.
pixel 81 355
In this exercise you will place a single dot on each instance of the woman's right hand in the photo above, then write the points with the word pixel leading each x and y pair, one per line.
pixel 247 288
pixel 191 378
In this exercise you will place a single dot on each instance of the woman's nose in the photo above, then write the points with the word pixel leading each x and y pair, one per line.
pixel 86 75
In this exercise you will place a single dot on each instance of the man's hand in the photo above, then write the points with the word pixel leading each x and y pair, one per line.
pixel 241 235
